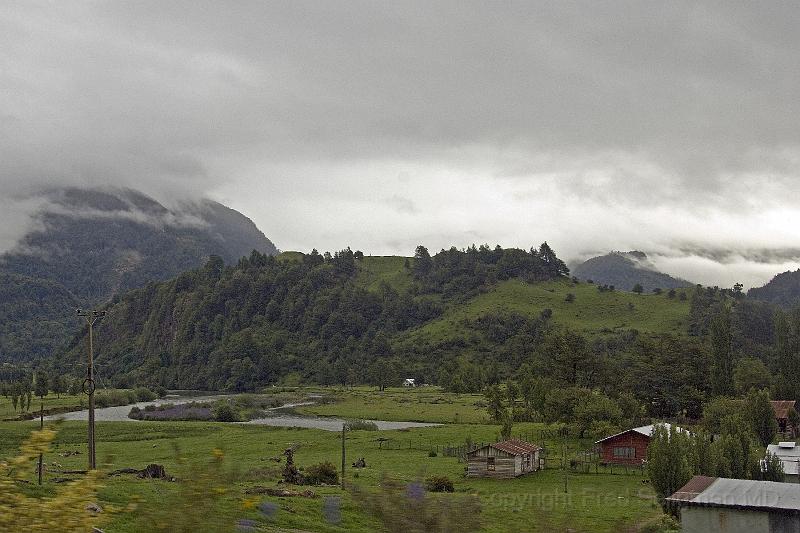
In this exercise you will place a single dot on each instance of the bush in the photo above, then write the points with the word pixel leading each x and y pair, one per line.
pixel 321 474
pixel 143 394
pixel 432 453
pixel 114 397
pixel 225 413
pixel 361 425
pixel 439 484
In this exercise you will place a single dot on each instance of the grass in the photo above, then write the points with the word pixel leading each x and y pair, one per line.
pixel 375 270
pixel 421 404
pixel 592 312
pixel 536 502
pixel 51 401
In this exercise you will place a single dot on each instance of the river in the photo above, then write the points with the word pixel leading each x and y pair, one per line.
pixel 280 418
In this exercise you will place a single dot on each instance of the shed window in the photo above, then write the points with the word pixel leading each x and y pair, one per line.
pixel 490 463
pixel 625 452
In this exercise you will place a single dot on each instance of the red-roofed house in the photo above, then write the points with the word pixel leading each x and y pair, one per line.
pixel 628 447
pixel 506 459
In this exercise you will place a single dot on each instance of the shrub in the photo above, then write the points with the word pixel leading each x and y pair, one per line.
pixel 225 413
pixel 439 484
pixel 361 425
pixel 321 474
pixel 143 394
pixel 432 453
pixel 114 397
pixel 61 508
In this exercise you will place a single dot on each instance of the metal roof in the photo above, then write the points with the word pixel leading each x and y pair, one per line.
pixel 647 431
pixel 789 456
pixel 782 407
pixel 739 494
pixel 512 446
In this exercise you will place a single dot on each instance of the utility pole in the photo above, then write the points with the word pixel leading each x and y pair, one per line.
pixel 88 384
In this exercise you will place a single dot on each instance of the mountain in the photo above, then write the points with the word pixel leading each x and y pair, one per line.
pixel 782 290
pixel 91 244
pixel 624 270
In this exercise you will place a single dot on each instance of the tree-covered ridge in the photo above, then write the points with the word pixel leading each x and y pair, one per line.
pixel 782 290
pixel 91 244
pixel 238 327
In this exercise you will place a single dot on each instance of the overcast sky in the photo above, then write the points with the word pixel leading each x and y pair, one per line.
pixel 670 128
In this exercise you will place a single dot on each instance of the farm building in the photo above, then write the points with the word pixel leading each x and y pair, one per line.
pixel 506 459
pixel 782 409
pixel 628 447
pixel 409 382
pixel 717 505
pixel 789 454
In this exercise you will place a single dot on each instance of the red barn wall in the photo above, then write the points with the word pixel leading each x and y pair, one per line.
pixel 630 439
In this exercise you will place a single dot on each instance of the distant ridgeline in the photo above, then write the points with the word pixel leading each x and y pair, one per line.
pixel 90 245
pixel 625 270
pixel 238 327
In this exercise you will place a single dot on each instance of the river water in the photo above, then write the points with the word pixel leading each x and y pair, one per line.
pixel 280 418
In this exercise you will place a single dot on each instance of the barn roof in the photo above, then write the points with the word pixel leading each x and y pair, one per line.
pixel 647 431
pixel 739 494
pixel 782 407
pixel 512 446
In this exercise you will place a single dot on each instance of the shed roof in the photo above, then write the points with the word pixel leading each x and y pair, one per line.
pixel 647 431
pixel 782 407
pixel 789 456
pixel 512 446
pixel 739 494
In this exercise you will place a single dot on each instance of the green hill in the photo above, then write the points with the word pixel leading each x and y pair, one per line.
pixel 347 317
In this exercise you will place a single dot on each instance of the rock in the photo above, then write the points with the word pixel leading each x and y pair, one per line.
pixel 94 508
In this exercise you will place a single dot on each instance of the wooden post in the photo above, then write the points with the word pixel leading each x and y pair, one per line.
pixel 344 426
pixel 41 426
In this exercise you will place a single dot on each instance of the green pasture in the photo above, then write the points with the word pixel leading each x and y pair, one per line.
pixel 253 457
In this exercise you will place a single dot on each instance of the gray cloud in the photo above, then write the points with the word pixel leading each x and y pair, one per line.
pixel 596 126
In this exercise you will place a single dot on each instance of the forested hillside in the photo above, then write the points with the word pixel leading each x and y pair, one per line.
pixel 782 290
pixel 325 318
pixel 91 244
pixel 463 319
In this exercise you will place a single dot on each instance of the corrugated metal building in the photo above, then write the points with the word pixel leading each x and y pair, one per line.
pixel 721 505
pixel 628 447
pixel 789 454
pixel 505 459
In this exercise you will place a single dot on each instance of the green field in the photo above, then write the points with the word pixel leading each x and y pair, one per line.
pixel 592 312
pixel 51 401
pixel 423 404
pixel 536 502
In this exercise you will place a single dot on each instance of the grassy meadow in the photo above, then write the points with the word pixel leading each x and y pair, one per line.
pixel 591 312
pixel 252 458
